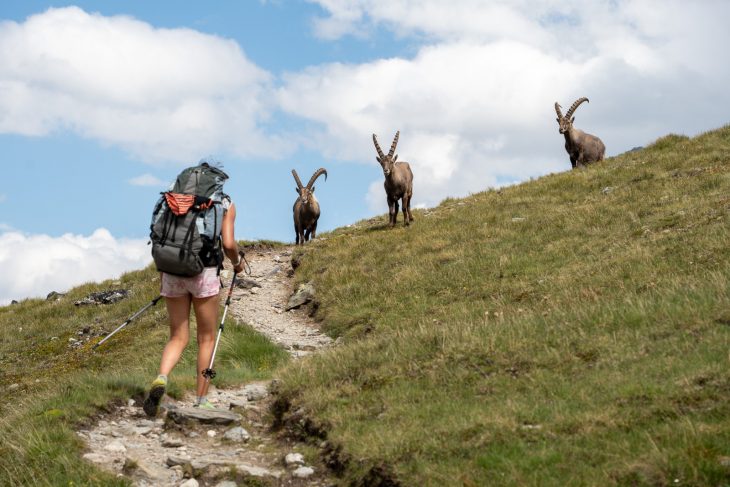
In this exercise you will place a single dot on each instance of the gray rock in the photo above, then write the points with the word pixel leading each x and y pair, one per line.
pixel 226 483
pixel 237 434
pixel 255 392
pixel 190 483
pixel 294 459
pixel 13 387
pixel 607 190
pixel 273 272
pixel 205 416
pixel 14 301
pixel 254 471
pixel 173 460
pixel 54 296
pixel 303 295
pixel 168 442
pixel 247 284
pixel 95 458
pixel 303 472
pixel 116 446
pixel 103 297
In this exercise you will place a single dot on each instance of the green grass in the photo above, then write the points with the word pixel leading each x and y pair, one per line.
pixel 572 330
pixel 61 388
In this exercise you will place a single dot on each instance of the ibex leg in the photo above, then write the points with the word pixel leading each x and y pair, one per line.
pixel 392 210
pixel 306 235
pixel 314 230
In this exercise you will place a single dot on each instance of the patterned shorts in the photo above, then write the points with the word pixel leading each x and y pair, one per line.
pixel 204 285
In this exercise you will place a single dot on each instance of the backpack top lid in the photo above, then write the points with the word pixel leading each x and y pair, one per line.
pixel 201 180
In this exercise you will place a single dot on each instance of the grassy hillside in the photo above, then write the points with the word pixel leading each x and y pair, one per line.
pixel 573 330
pixel 50 387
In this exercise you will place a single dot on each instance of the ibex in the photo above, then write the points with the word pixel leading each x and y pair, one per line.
pixel 306 207
pixel 582 148
pixel 398 181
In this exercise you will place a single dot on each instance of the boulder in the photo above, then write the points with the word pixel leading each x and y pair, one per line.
pixel 303 295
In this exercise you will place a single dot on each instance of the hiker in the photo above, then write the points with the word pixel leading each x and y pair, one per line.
pixel 180 251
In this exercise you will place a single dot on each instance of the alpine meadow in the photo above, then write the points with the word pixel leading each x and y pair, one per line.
pixel 570 330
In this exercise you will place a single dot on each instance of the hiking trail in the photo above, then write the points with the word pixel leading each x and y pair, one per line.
pixel 232 445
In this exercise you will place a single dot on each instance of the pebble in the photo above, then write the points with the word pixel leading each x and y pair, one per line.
pixel 254 392
pixel 13 387
pixel 211 433
pixel 190 483
pixel 303 472
pixel 226 483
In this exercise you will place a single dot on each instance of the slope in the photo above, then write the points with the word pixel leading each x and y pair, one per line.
pixel 571 330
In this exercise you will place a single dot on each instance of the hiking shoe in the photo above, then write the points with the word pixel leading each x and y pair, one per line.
pixel 205 405
pixel 152 402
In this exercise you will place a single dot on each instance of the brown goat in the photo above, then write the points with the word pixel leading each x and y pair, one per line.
pixel 398 181
pixel 582 148
pixel 306 207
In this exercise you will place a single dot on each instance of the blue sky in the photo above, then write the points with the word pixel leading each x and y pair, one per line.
pixel 102 103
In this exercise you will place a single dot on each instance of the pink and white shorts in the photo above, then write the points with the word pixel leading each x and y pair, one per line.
pixel 204 285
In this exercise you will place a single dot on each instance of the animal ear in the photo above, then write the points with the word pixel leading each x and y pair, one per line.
pixel 395 158
pixel 379 161
pixel 297 190
pixel 557 120
pixel 313 189
pixel 572 120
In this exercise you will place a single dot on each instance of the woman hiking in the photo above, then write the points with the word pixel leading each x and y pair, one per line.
pixel 180 249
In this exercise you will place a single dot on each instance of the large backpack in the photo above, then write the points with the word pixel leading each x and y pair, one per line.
pixel 186 222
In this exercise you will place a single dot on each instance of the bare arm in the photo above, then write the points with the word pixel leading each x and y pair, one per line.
pixel 230 247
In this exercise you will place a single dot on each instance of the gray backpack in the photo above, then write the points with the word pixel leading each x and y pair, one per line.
pixel 186 222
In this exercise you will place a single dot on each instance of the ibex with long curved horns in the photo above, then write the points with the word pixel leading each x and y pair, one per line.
pixel 398 181
pixel 306 207
pixel 582 148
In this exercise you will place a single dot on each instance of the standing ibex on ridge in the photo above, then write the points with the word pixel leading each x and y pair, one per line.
pixel 398 181
pixel 582 148
pixel 306 207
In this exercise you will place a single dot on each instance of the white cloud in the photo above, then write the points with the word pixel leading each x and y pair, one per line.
pixel 34 265
pixel 147 180
pixel 475 104
pixel 162 94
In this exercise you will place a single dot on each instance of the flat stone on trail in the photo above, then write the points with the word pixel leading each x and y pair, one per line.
pixel 172 461
pixel 205 416
pixel 190 483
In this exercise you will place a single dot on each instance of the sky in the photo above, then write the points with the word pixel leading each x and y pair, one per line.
pixel 103 103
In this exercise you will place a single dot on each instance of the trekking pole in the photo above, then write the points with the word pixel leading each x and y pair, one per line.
pixel 149 305
pixel 209 373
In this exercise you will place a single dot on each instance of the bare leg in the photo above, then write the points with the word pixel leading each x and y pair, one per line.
pixel 206 315
pixel 178 309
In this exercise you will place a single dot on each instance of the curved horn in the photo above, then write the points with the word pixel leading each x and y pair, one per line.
pixel 575 105
pixel 296 178
pixel 377 146
pixel 392 146
pixel 317 174
pixel 558 111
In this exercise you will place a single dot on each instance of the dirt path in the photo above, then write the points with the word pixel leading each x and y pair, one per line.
pixel 232 444
pixel 264 308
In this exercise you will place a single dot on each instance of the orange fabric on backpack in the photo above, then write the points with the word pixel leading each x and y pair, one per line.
pixel 179 204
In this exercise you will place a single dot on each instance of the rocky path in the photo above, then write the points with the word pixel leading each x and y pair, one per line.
pixel 231 446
